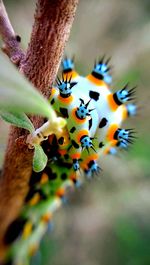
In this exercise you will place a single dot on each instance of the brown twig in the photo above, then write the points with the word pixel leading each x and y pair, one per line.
pixel 11 41
pixel 53 21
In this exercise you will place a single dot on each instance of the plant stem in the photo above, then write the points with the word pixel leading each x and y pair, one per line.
pixel 11 41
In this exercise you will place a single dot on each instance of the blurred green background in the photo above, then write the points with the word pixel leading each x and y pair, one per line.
pixel 108 220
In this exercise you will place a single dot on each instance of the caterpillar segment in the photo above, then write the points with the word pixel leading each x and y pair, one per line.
pixel 46 194
pixel 94 116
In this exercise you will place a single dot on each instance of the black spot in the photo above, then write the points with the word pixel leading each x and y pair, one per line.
pixel 91 163
pixel 97 75
pixel 90 124
pixel 103 123
pixel 75 145
pixel 66 165
pixel 94 95
pixel 101 144
pixel 18 38
pixel 66 156
pixel 74 180
pixel 67 70
pixel 72 130
pixel 64 176
pixel 64 112
pixel 52 101
pixel 51 175
pixel 14 230
pixel 116 135
pixel 61 140
pixel 82 137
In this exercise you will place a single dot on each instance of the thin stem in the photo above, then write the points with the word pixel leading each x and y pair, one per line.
pixel 11 41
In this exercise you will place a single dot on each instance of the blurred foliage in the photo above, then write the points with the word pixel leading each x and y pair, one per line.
pixel 106 222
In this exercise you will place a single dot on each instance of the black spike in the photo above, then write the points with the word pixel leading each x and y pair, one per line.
pixel 73 58
pixel 73 84
pixel 70 79
pixel 62 77
pixel 95 63
pixel 87 149
pixel 82 101
pixel 108 60
pixel 58 81
pixel 91 110
pixel 86 105
pixel 102 59
pixel 92 147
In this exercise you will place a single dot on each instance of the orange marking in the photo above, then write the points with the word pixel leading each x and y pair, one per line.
pixel 53 91
pixel 112 104
pixel 124 112
pixel 62 151
pixel 76 118
pixel 60 192
pixel 27 230
pixel 80 134
pixel 96 81
pixel 112 144
pixel 44 178
pixel 66 101
pixel 72 74
pixel 50 138
pixel 35 199
pixel 111 132
pixel 106 151
pixel 47 217
pixel 89 158
pixel 75 156
pixel 74 178
pixel 33 249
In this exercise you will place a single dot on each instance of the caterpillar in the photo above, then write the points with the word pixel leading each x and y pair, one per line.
pixel 94 115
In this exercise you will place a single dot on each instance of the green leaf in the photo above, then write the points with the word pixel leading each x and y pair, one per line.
pixel 39 159
pixel 18 119
pixel 18 95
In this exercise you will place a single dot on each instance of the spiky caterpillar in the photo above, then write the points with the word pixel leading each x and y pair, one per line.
pixel 94 115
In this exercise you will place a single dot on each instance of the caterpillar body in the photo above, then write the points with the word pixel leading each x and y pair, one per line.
pixel 94 115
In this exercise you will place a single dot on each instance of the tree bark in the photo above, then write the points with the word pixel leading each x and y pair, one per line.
pixel 53 21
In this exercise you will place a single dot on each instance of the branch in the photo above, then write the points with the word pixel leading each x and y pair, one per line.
pixel 11 40
pixel 53 21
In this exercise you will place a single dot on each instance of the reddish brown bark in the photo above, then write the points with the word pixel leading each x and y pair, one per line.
pixel 53 20
pixel 51 29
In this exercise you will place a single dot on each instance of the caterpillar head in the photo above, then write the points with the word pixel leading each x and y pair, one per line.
pixel 65 86
pixel 82 110
pixel 124 95
pixel 101 70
